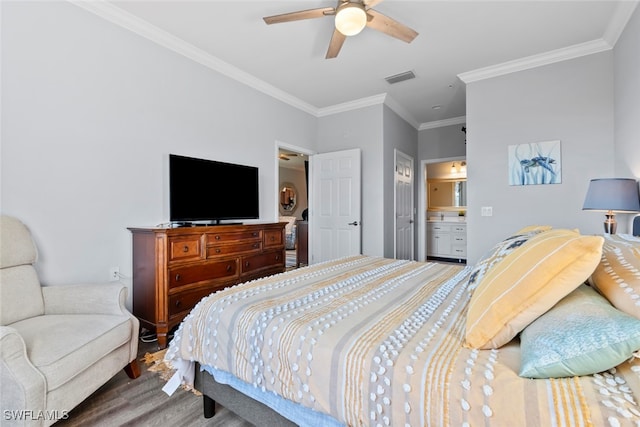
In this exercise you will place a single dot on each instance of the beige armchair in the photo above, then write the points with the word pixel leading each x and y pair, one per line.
pixel 58 343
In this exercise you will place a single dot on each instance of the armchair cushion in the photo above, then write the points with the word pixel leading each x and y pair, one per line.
pixel 60 349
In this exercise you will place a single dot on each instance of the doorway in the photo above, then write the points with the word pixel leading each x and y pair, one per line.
pixel 292 200
pixel 433 169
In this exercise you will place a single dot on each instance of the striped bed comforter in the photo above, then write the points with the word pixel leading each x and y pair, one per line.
pixel 374 341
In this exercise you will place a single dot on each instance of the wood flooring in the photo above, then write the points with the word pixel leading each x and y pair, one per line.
pixel 141 402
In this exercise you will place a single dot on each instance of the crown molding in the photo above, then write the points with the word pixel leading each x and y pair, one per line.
pixel 352 105
pixel 441 123
pixel 534 61
pixel 619 21
pixel 143 28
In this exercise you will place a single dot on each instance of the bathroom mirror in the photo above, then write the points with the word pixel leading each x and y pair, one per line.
pixel 288 196
pixel 447 194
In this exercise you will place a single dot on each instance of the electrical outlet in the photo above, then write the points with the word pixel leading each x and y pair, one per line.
pixel 114 274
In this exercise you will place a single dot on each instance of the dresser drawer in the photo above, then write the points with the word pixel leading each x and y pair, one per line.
pixel 185 248
pixel 233 236
pixel 254 263
pixel 459 239
pixel 184 301
pixel 236 248
pixel 439 227
pixel 218 270
pixel 273 238
pixel 459 251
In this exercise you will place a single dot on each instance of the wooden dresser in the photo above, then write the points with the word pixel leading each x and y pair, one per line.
pixel 174 268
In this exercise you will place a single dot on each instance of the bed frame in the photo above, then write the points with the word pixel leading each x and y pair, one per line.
pixel 238 403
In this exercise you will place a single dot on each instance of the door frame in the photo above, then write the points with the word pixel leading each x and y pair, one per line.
pixel 276 184
pixel 422 203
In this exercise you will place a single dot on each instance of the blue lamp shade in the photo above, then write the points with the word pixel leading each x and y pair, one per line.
pixel 612 194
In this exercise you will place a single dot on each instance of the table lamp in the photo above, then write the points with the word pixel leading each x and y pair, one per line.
pixel 612 195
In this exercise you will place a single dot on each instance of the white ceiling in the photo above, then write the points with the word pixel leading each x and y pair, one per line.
pixel 455 37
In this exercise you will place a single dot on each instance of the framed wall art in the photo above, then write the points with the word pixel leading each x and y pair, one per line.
pixel 535 163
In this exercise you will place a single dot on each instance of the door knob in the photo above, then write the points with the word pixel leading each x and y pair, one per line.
pixel 353 223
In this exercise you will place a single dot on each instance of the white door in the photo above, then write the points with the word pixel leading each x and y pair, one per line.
pixel 335 212
pixel 403 206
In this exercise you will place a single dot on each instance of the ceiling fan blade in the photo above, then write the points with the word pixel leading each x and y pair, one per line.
pixel 337 40
pixel 390 26
pixel 372 3
pixel 302 14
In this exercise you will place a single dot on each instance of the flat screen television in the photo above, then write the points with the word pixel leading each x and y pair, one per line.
pixel 211 191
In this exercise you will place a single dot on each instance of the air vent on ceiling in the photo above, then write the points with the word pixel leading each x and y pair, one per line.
pixel 407 75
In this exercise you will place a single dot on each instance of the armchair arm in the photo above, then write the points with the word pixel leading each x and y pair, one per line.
pixel 85 299
pixel 22 384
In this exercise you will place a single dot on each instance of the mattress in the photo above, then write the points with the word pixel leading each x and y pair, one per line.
pixel 373 341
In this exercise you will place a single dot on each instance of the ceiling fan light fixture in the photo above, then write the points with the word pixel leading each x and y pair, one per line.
pixel 351 18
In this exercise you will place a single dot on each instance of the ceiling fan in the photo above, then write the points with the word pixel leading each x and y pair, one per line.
pixel 287 156
pixel 351 16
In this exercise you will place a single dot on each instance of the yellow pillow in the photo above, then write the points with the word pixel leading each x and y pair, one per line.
pixel 528 282
pixel 617 277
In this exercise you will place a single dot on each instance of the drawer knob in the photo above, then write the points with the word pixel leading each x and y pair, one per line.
pixel 178 302
pixel 246 263
pixel 255 245
pixel 185 248
pixel 218 250
pixel 255 234
pixel 178 277
pixel 278 257
pixel 273 238
pixel 217 237
pixel 229 267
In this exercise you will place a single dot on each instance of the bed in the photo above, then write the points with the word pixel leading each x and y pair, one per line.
pixel 517 339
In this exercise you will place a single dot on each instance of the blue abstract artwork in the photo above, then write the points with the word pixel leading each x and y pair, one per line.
pixel 535 163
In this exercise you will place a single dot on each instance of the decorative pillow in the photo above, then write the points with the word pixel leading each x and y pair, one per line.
pixel 502 249
pixel 581 335
pixel 526 283
pixel 617 277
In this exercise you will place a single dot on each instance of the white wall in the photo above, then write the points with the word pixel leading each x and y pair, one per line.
pixel 441 142
pixel 570 101
pixel 361 129
pixel 90 112
pixel 627 99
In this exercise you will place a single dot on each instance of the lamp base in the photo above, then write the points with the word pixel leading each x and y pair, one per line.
pixel 610 224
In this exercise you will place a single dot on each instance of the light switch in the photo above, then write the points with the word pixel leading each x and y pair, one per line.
pixel 486 211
